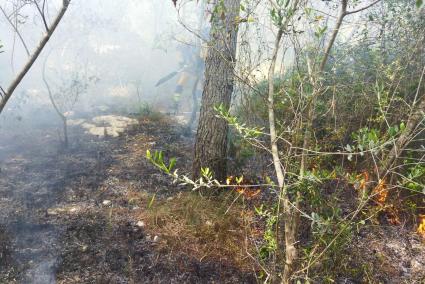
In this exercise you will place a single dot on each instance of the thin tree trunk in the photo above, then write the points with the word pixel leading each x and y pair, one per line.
pixel 9 91
pixel 211 138
pixel 290 226
pixel 342 14
pixel 290 213
pixel 415 118
pixel 272 122
pixel 55 106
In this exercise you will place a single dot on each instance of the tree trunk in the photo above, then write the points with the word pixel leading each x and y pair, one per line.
pixel 211 137
pixel 290 218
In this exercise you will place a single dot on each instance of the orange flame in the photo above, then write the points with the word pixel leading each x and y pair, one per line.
pixel 381 192
pixel 421 227
pixel 247 192
pixel 364 180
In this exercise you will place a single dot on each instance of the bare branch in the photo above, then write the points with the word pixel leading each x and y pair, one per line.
pixel 363 8
pixel 15 28
pixel 34 56
pixel 342 14
pixel 43 16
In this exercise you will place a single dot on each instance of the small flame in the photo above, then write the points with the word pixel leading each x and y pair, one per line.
pixel 363 179
pixel 247 192
pixel 421 227
pixel 381 192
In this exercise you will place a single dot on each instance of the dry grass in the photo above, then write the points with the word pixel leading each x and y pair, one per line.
pixel 204 228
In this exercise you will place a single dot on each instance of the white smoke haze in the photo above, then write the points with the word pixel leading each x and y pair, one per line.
pixel 126 45
pixel 103 78
pixel 114 52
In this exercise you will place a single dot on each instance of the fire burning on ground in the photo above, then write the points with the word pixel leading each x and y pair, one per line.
pixel 421 227
pixel 243 187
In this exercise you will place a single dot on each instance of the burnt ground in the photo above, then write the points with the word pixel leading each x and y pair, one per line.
pixel 65 216
pixel 72 216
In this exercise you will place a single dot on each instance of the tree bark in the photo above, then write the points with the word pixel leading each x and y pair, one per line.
pixel 211 137
pixel 9 91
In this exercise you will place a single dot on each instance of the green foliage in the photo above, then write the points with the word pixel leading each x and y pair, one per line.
pixel 244 131
pixel 207 176
pixel 414 178
pixel 207 173
pixel 218 13
pixel 146 110
pixel 157 159
pixel 366 139
pixel 282 11
pixel 357 103
pixel 371 140
pixel 331 232
pixel 320 32
pixel 269 246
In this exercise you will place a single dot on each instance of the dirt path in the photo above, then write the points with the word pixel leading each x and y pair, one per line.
pixel 65 217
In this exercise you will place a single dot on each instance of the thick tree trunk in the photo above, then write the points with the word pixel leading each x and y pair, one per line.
pixel 211 137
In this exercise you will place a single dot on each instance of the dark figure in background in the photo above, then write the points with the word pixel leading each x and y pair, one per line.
pixel 191 70
pixel 191 67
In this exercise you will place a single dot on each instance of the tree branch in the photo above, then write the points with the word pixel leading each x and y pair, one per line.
pixel 34 56
pixel 15 28
pixel 342 14
pixel 43 17
pixel 362 9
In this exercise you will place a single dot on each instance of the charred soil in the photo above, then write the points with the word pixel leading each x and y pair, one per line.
pixel 74 216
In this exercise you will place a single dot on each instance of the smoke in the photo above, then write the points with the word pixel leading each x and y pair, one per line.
pixel 117 50
pixel 126 45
